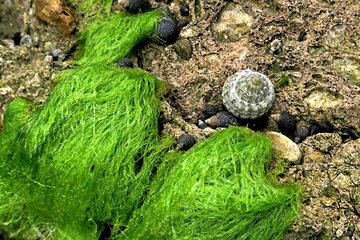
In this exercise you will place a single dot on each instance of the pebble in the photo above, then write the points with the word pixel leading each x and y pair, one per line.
pixel 284 148
pixel 26 40
pixel 58 55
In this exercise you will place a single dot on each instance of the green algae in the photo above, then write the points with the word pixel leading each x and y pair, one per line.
pixel 218 190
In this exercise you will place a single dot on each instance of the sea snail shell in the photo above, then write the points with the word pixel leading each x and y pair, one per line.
pixel 248 94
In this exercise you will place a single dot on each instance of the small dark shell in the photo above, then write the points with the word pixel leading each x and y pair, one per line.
pixel 137 6
pixel 325 126
pixel 319 127
pixel 314 129
pixel 225 119
pixel 300 134
pixel 181 24
pixel 125 62
pixel 257 124
pixel 287 123
pixel 185 141
pixel 349 134
pixel 211 110
pixel 184 10
pixel 167 32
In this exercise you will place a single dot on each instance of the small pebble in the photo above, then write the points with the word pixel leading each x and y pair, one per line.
pixel 284 148
pixel 26 40
pixel 275 46
pixel 125 62
pixel 57 55
pixel 183 48
pixel 202 125
pixel 185 141
pixel 48 58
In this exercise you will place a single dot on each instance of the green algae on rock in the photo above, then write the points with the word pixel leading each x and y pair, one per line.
pixel 218 190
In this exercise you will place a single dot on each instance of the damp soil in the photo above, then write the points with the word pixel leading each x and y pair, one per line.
pixel 308 48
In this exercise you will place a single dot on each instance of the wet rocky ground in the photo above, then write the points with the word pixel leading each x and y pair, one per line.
pixel 308 48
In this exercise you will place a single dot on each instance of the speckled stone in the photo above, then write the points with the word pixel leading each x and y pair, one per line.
pixel 248 94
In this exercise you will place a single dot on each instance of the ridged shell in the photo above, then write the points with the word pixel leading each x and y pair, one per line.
pixel 248 94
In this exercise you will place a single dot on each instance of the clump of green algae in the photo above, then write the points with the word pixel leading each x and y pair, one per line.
pixel 218 190
pixel 87 159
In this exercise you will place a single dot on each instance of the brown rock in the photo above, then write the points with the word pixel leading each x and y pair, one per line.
pixel 55 12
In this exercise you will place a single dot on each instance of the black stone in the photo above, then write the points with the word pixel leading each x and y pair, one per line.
pixel 185 141
pixel 125 62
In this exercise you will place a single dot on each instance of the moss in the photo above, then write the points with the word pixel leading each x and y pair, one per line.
pixel 218 190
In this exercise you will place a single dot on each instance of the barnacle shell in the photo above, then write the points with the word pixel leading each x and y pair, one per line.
pixel 248 94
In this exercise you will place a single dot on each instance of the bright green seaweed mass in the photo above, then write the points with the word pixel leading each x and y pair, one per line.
pixel 92 157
